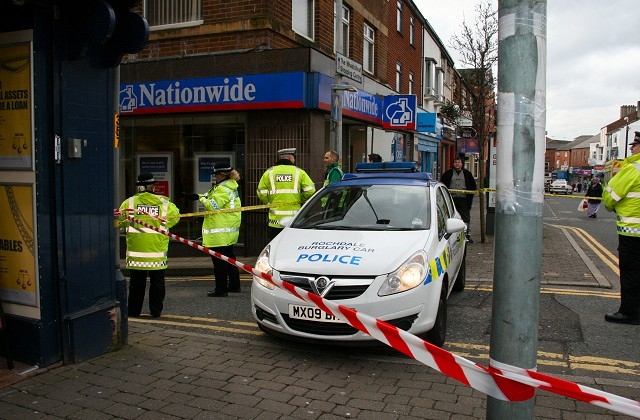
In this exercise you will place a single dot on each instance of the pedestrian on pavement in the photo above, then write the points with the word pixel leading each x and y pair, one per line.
pixel 458 178
pixel 374 157
pixel 333 170
pixel 284 183
pixel 594 190
pixel 147 249
pixel 220 230
pixel 622 195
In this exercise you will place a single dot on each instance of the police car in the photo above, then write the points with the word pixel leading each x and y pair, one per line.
pixel 386 241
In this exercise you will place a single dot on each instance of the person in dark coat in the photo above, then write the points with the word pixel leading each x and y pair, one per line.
pixel 594 190
pixel 458 178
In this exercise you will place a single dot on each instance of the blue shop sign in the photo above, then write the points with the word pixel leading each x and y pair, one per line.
pixel 229 93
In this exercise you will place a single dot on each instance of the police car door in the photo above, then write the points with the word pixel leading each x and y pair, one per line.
pixel 452 245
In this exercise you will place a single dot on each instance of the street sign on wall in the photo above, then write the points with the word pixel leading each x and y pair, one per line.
pixel 399 112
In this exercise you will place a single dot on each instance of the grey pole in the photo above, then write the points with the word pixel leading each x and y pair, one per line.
pixel 336 94
pixel 626 138
pixel 519 192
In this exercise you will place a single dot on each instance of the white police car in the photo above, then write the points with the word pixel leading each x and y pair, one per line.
pixel 386 241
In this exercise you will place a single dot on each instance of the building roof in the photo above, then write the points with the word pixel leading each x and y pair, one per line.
pixel 553 144
pixel 577 143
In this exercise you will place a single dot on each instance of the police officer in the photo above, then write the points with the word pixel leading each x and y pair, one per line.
pixel 622 195
pixel 284 183
pixel 146 248
pixel 220 231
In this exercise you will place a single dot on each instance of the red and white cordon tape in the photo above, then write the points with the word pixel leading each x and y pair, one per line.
pixel 500 381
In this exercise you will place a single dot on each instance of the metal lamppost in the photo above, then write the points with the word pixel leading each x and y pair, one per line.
pixel 626 139
pixel 336 114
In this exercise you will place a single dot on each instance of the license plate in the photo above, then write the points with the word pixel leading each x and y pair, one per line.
pixel 310 313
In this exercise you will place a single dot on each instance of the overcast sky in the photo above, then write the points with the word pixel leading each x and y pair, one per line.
pixel 593 58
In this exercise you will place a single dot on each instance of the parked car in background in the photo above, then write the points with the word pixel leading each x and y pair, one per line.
pixel 560 186
pixel 388 244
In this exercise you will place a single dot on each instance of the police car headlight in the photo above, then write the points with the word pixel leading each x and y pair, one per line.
pixel 262 264
pixel 409 275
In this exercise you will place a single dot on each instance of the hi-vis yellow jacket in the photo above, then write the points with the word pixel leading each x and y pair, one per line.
pixel 221 229
pixel 284 184
pixel 622 195
pixel 146 248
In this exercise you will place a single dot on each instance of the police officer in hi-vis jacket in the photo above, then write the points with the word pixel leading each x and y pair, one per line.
pixel 146 248
pixel 284 183
pixel 221 229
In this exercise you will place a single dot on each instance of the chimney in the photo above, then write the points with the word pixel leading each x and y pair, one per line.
pixel 626 110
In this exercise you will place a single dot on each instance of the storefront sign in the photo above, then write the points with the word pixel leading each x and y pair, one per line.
pixel 426 122
pixel 18 276
pixel 231 93
pixel 358 105
pixel 16 143
pixel 399 112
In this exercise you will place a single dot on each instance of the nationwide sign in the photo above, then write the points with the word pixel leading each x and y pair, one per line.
pixel 359 105
pixel 230 93
pixel 399 112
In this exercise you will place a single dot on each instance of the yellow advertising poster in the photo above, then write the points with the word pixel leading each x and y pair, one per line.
pixel 18 278
pixel 16 146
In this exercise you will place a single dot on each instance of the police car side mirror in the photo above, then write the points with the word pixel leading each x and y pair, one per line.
pixel 454 225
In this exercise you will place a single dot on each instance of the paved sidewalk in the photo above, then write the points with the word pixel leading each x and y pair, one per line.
pixel 166 373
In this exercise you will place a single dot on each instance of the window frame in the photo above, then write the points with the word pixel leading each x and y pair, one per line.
pixel 399 16
pixel 309 20
pixel 346 29
pixel 195 14
pixel 368 50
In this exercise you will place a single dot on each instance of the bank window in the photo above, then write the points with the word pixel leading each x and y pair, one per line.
pixel 399 17
pixel 302 17
pixel 344 26
pixel 398 77
pixel 369 42
pixel 173 13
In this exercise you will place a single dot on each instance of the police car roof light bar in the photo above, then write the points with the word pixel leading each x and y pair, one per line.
pixel 386 167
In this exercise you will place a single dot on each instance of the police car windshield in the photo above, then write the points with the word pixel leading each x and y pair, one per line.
pixel 367 207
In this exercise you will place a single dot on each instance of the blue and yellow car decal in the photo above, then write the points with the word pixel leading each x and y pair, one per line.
pixel 438 265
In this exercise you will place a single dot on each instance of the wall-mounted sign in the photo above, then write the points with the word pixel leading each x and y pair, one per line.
pixel 399 112
pixel 18 276
pixel 349 68
pixel 16 141
pixel 161 166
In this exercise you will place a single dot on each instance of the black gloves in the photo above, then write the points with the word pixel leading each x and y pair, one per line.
pixel 192 197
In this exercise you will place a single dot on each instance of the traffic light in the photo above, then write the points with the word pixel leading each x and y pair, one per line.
pixel 103 30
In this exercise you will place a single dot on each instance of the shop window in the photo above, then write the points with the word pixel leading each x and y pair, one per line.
pixel 172 13
pixel 302 20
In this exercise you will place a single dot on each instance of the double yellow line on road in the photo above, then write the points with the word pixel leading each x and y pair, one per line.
pixel 603 253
